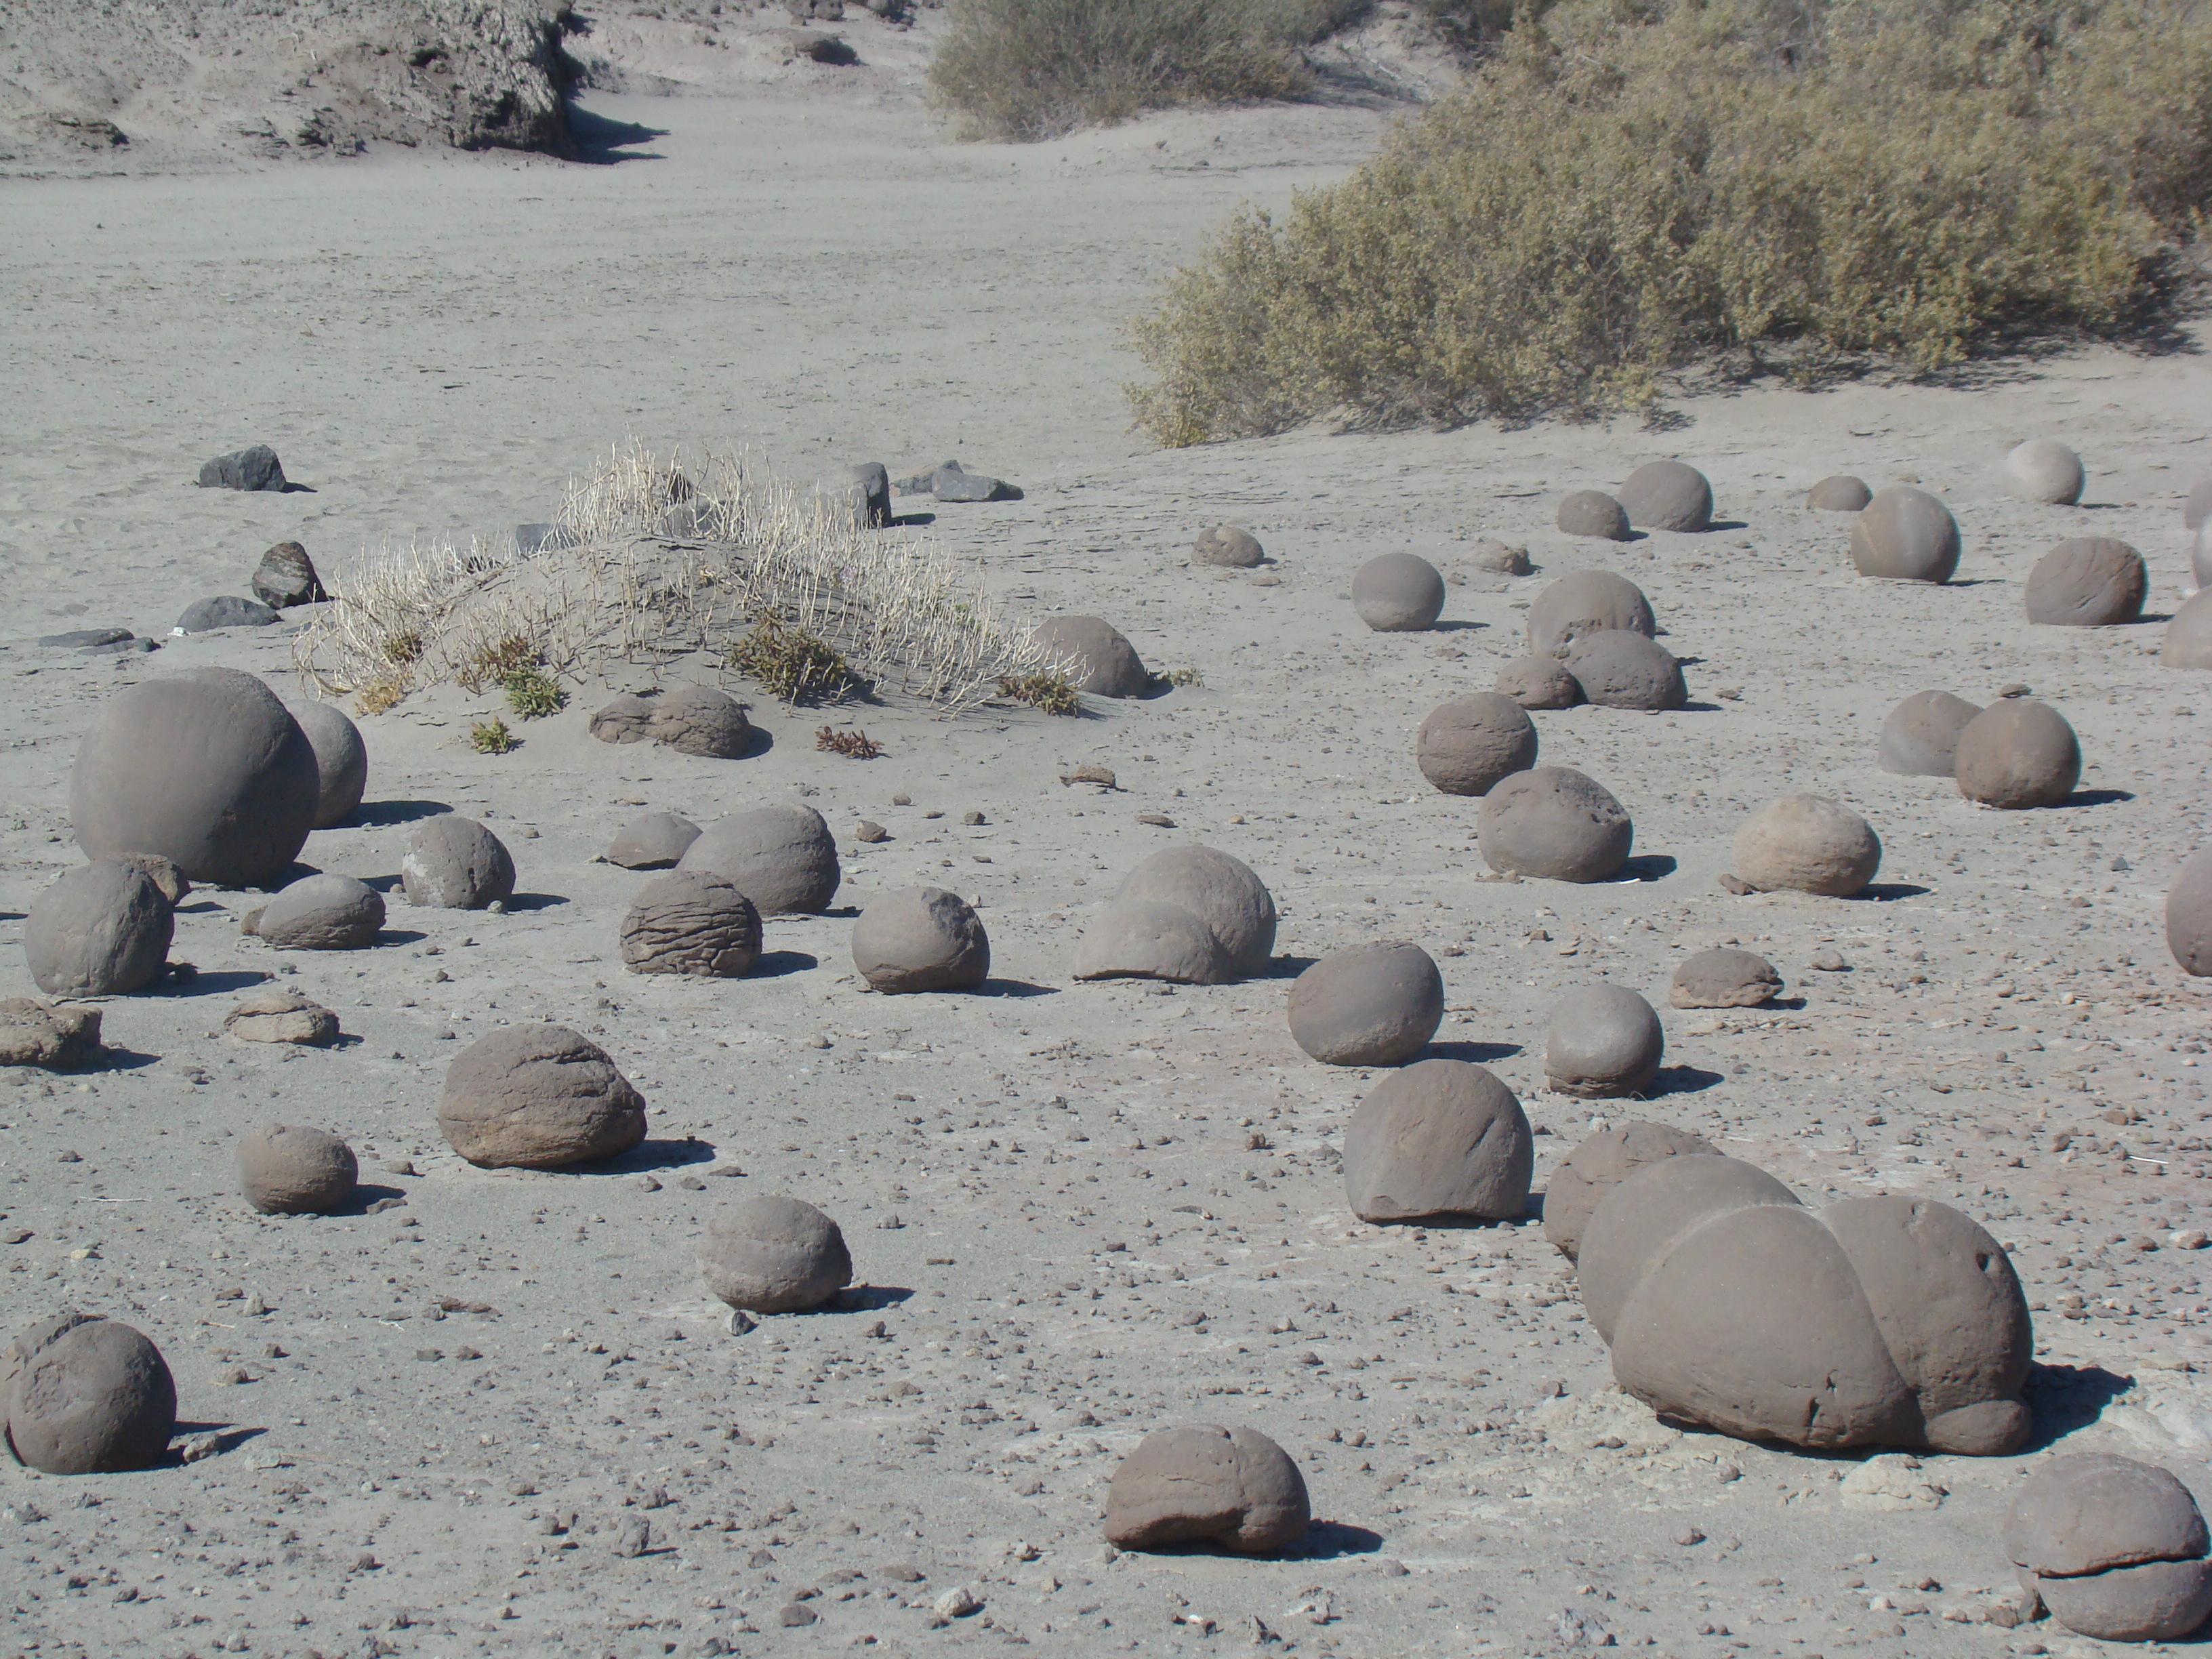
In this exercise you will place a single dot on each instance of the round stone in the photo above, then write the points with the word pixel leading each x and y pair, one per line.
pixel 1593 1169
pixel 1905 535
pixel 1553 822
pixel 1619 668
pixel 691 921
pixel 340 760
pixel 323 912
pixel 1222 891
pixel 1539 682
pixel 1373 1004
pixel 1466 746
pixel 700 720
pixel 1920 738
pixel 1723 977
pixel 2018 753
pixel 269 1013
pixel 206 769
pixel 2044 470
pixel 1593 513
pixel 2198 507
pixel 628 719
pixel 771 1255
pixel 1148 939
pixel 1228 546
pixel 1637 1216
pixel 2189 914
pixel 1207 1484
pixel 1604 1041
pixel 1839 493
pixel 2188 642
pixel 1398 593
pixel 293 1171
pixel 101 930
pixel 1097 657
pixel 2082 1528
pixel 2200 556
pixel 1442 1139
pixel 2091 581
pixel 1808 844
pixel 654 841
pixel 1582 602
pixel 920 939
pixel 538 1097
pixel 1667 495
pixel 782 858
pixel 84 1395
pixel 453 863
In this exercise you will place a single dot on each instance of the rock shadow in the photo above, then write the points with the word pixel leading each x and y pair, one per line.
pixel 649 1155
pixel 867 1298
pixel 995 986
pixel 197 984
pixel 1476 1054
pixel 116 1058
pixel 1648 866
pixel 781 964
pixel 2069 1398
pixel 1332 1540
pixel 526 902
pixel 1887 892
pixel 365 1196
pixel 1285 967
pixel 228 1438
pixel 2094 798
pixel 602 141
pixel 378 814
pixel 1681 1080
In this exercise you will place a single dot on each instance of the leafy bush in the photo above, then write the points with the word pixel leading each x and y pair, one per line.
pixel 793 664
pixel 1048 690
pixel 1624 194
pixel 533 694
pixel 491 736
pixel 1033 69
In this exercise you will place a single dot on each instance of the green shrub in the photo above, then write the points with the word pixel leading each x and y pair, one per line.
pixel 1624 193
pixel 1033 69
pixel 793 664
pixel 533 694
pixel 491 736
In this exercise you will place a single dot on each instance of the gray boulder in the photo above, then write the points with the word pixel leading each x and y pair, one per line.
pixel 2117 1549
pixel 340 760
pixel 294 1171
pixel 1667 495
pixel 771 1255
pixel 782 858
pixel 210 616
pixel 538 1097
pixel 453 863
pixel 1207 1484
pixel 322 912
pixel 690 921
pixel 1097 656
pixel 654 841
pixel 286 576
pixel 1593 513
pixel 84 1395
pixel 699 720
pixel 101 930
pixel 1373 1004
pixel 256 468
pixel 920 939
pixel 1604 1041
pixel 52 1036
pixel 1441 1139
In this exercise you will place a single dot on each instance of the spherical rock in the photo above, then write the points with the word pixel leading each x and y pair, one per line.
pixel 293 1171
pixel 1222 891
pixel 2091 581
pixel 1398 593
pixel 453 863
pixel 1619 668
pixel 654 841
pixel 2189 914
pixel 771 1255
pixel 1373 1004
pixel 1553 822
pixel 1593 513
pixel 323 912
pixel 84 1395
pixel 2188 642
pixel 782 858
pixel 1667 495
pixel 1228 546
pixel 1441 1139
pixel 340 760
pixel 1622 1240
pixel 1920 738
pixel 691 921
pixel 1604 1041
pixel 1466 746
pixel 538 1097
pixel 2198 507
pixel 1905 535
pixel 1582 602
pixel 920 939
pixel 1208 1485
pixel 2044 470
pixel 1598 1165
pixel 1723 977
pixel 206 769
pixel 2117 1549
pixel 1146 939
pixel 1808 844
pixel 1098 658
pixel 699 720
pixel 1539 682
pixel 628 719
pixel 2018 753
pixel 101 930
pixel 1839 493
pixel 276 1013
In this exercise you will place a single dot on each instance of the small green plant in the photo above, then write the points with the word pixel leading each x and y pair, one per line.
pixel 1185 676
pixel 533 694
pixel 491 736
pixel 1049 690
pixel 404 648
pixel 491 663
pixel 793 664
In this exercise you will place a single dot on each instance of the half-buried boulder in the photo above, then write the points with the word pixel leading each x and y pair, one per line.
pixel 1235 1488
pixel 769 1255
pixel 691 921
pixel 1808 844
pixel 1440 1140
pixel 1096 655
pixel 1553 822
pixel 538 1097
pixel 920 939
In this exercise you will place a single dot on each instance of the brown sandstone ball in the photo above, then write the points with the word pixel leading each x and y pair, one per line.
pixel 1098 658
pixel 293 1171
pixel 1667 495
pixel 1595 1168
pixel 1553 822
pixel 1151 939
pixel 628 719
pixel 538 1097
pixel 83 1395
pixel 2189 914
pixel 691 921
pixel 769 1254
pixel 1619 668
pixel 1604 1041
pixel 2091 581
pixel 2018 753
pixel 2188 642
pixel 2044 470
pixel 1228 546
pixel 322 912
pixel 1839 493
pixel 1582 602
pixel 1634 1219
pixel 1440 1140
pixel 340 760
pixel 1398 593
pixel 1539 682
pixel 782 858
pixel 1593 513
pixel 1221 891
pixel 2115 1548
pixel 1808 844
pixel 1905 535
pixel 1207 1484
pixel 920 939
pixel 100 930
pixel 1466 746
pixel 1723 977
pixel 701 720
pixel 1920 738
pixel 654 841
pixel 1373 1004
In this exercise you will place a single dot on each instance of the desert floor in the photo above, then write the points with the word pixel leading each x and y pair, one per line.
pixel 1080 1211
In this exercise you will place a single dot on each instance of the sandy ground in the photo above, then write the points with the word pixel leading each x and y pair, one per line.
pixel 1081 1211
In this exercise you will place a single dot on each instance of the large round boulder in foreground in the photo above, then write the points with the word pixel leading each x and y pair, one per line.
pixel 1876 1322
pixel 1667 495
pixel 1373 1004
pixel 2189 914
pixel 322 912
pixel 206 769
pixel 1808 844
pixel 2117 1549
pixel 2044 470
pixel 1592 512
pixel 769 1255
pixel 2188 641
pixel 340 760
pixel 1097 658
pixel 1398 593
pixel 920 939
pixel 1228 547
pixel 1539 682
pixel 538 1097
pixel 1603 1042
pixel 1620 668
pixel 1920 738
pixel 453 863
pixel 1442 1139
pixel 1204 1485
pixel 1599 1164
pixel 83 1395
pixel 1464 746
pixel 782 858
pixel 101 930
pixel 691 921
pixel 2091 581
pixel 1839 492
pixel 1582 602
pixel 1553 822
pixel 2018 753
pixel 1222 890
pixel 1723 977
pixel 1905 535
pixel 296 1171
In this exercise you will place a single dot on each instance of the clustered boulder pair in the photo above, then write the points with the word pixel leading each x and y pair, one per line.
pixel 2015 755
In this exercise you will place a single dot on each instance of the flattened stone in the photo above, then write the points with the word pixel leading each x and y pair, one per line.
pixel 52 1036
pixel 1724 978
pixel 209 616
pixel 256 468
